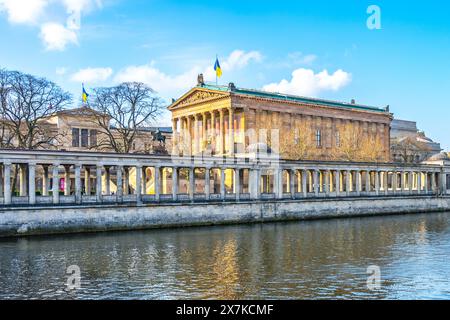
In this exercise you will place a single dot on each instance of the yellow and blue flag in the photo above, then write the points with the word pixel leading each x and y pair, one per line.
pixel 85 95
pixel 217 68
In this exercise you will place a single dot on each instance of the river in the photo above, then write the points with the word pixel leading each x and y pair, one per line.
pixel 296 260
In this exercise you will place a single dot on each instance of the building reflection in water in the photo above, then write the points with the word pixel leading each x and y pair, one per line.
pixel 316 259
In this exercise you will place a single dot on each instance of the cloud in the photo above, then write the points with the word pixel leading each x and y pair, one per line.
pixel 92 75
pixel 170 86
pixel 23 11
pixel 61 71
pixel 56 31
pixel 307 83
pixel 56 36
pixel 300 58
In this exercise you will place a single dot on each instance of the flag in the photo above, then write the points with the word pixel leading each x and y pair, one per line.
pixel 85 95
pixel 217 68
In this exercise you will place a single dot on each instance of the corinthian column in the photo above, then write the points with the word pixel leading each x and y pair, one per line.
pixel 222 132
pixel 231 131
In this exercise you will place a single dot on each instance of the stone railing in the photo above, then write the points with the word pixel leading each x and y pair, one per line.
pixel 76 178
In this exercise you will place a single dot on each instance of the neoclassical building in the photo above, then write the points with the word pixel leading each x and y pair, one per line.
pixel 226 121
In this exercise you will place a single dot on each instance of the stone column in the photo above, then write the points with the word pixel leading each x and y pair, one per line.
pixel 189 135
pixel 45 181
pixel 443 182
pixel 126 180
pixel 425 181
pixel 78 183
pixel 433 182
pixel 386 182
pixel 254 183
pixel 402 182
pixel 174 183
pixel 196 134
pixel 316 183
pixel 231 131
pixel 204 136
pixel 213 129
pixel 87 180
pixel 55 178
pixel 119 172
pixel 32 183
pixel 174 136
pixel 237 183
pixel 207 183
pixel 337 182
pixel 107 180
pixel 292 183
pixel 67 180
pixel 377 182
pixel 7 183
pixel 157 183
pixel 222 132
pixel 22 180
pixel 358 182
pixel 222 183
pixel 191 183
pixel 368 184
pixel 98 188
pixel 304 184
pixel 327 183
pixel 347 182
pixel 138 184
pixel 395 181
pixel 279 183
pixel 410 182
pixel 419 182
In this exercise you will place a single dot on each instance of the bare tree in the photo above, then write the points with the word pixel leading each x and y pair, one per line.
pixel 6 134
pixel 409 149
pixel 121 111
pixel 29 101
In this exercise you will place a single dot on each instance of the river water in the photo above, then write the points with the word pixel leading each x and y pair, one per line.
pixel 296 260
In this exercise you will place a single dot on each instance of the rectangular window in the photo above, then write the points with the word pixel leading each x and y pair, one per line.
pixel 318 138
pixel 75 137
pixel 93 141
pixel 338 139
pixel 84 138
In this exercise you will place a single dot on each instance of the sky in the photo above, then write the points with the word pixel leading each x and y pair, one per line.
pixel 316 48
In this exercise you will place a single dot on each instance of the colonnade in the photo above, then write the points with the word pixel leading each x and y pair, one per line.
pixel 192 132
pixel 45 177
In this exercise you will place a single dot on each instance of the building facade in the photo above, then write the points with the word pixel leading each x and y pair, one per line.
pixel 230 121
pixel 409 144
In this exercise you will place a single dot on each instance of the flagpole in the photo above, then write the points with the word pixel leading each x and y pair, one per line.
pixel 217 57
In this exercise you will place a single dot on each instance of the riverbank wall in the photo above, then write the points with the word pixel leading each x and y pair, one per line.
pixel 16 221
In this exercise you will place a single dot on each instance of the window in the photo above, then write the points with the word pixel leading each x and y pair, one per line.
pixel 84 138
pixel 75 137
pixel 93 142
pixel 318 138
pixel 338 139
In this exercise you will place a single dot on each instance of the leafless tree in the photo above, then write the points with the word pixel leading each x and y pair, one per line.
pixel 409 149
pixel 121 111
pixel 6 135
pixel 28 103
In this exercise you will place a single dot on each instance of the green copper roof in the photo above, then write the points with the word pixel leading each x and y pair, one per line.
pixel 285 97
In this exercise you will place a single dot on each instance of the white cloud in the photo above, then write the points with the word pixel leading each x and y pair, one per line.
pixel 92 75
pixel 59 30
pixel 170 86
pixel 56 36
pixel 300 58
pixel 307 83
pixel 61 71
pixel 23 11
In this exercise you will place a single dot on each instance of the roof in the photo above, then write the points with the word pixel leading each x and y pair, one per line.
pixel 287 97
pixel 81 111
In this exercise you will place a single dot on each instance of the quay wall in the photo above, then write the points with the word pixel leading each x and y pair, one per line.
pixel 15 221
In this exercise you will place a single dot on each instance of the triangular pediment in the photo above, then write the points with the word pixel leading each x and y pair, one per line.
pixel 197 95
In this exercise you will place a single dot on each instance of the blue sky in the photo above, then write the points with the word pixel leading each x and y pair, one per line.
pixel 314 48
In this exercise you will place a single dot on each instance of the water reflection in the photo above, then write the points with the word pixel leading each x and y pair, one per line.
pixel 320 259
